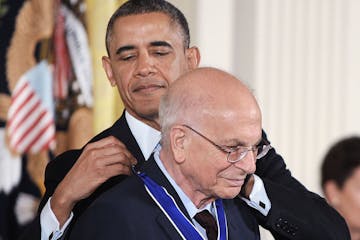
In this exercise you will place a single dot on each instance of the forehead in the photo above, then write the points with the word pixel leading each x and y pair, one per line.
pixel 145 28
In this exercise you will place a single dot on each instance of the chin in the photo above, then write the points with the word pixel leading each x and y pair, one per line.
pixel 230 193
pixel 149 113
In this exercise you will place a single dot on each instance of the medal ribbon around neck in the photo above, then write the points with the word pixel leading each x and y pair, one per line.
pixel 181 223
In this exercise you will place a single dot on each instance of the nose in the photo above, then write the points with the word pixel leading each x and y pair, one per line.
pixel 144 65
pixel 248 163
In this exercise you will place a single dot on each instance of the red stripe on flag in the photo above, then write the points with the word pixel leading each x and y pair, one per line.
pixel 16 111
pixel 30 128
pixel 38 136
pixel 19 91
pixel 28 114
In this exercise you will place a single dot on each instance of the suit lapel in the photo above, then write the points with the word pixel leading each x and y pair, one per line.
pixel 154 172
pixel 121 131
pixel 167 227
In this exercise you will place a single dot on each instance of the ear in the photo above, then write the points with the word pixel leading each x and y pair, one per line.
pixel 106 63
pixel 332 193
pixel 177 143
pixel 193 57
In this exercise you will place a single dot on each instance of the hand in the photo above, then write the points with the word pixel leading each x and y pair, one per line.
pixel 98 162
pixel 247 187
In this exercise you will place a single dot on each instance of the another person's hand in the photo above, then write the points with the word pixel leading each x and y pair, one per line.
pixel 98 162
pixel 247 187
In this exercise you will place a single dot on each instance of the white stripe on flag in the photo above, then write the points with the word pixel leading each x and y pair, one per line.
pixel 29 136
pixel 30 125
pixel 18 98
pixel 24 113
pixel 46 139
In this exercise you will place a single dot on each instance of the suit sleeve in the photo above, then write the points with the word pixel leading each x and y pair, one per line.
pixel 295 213
pixel 94 224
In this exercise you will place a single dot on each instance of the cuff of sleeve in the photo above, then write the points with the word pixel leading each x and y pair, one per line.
pixel 258 197
pixel 50 225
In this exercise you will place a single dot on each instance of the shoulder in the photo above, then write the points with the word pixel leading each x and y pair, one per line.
pixel 130 189
pixel 128 196
pixel 62 163
pixel 126 202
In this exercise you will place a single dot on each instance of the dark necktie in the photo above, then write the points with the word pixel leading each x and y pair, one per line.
pixel 207 221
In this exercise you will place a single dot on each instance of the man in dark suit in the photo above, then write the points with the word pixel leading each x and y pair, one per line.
pixel 189 167
pixel 148 48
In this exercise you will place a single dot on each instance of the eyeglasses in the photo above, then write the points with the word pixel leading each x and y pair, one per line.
pixel 235 154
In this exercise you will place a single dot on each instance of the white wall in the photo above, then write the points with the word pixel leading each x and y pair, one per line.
pixel 303 80
pixel 301 57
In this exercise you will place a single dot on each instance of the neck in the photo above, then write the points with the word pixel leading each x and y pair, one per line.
pixel 197 197
pixel 152 121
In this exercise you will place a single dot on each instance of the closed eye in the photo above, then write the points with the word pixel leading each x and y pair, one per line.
pixel 161 53
pixel 127 57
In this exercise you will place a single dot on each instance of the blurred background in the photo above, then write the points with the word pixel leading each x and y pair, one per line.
pixel 300 57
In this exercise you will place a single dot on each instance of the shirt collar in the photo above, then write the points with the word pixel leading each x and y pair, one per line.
pixel 189 205
pixel 146 137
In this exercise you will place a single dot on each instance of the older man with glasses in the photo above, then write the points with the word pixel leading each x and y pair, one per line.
pixel 187 191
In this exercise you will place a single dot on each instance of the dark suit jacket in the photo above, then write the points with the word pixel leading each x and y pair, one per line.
pixel 128 212
pixel 296 213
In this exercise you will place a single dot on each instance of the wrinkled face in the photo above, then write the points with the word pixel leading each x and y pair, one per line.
pixel 146 56
pixel 349 201
pixel 207 166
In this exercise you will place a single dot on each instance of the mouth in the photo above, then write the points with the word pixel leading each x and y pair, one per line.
pixel 147 88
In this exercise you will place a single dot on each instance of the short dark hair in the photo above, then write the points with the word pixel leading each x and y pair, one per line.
pixel 341 160
pixel 134 7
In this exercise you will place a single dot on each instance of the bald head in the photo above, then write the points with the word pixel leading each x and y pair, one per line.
pixel 205 113
pixel 207 95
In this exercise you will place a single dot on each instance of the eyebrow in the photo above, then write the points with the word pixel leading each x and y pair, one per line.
pixel 152 44
pixel 241 143
pixel 160 44
pixel 124 48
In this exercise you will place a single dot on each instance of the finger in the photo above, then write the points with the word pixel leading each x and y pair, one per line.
pixel 116 169
pixel 112 150
pixel 118 158
pixel 93 152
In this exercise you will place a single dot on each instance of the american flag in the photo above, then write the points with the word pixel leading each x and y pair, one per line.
pixel 30 123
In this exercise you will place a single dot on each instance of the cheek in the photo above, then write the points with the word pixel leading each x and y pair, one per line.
pixel 206 165
pixel 122 89
pixel 123 79
pixel 350 205
pixel 173 68
pixel 354 201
